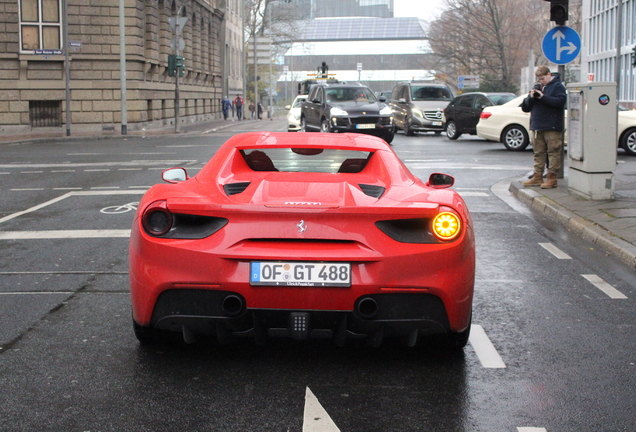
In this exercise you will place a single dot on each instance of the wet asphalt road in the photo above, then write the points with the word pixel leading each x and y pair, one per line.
pixel 563 354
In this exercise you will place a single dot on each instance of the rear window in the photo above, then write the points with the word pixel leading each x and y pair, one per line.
pixel 306 160
pixel 501 99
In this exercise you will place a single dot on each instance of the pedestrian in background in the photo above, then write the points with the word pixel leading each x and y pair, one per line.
pixel 546 105
pixel 226 105
pixel 238 103
pixel 260 111
pixel 251 108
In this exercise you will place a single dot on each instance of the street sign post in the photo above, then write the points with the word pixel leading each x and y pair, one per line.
pixel 561 45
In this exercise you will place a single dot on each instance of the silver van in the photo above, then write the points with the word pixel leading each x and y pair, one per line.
pixel 419 106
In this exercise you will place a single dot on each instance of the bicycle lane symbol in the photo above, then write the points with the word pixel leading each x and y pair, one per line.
pixel 124 208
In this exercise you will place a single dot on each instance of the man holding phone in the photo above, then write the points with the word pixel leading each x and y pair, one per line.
pixel 546 105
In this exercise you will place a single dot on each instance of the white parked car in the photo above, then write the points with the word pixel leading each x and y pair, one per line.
pixel 509 125
pixel 293 116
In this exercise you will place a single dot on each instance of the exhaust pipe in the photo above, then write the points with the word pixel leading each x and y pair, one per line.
pixel 367 308
pixel 232 305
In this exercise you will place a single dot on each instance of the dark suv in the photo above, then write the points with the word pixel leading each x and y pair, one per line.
pixel 462 114
pixel 346 108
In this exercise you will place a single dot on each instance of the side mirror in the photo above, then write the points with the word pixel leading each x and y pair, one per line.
pixel 316 100
pixel 402 100
pixel 440 181
pixel 382 99
pixel 287 107
pixel 174 175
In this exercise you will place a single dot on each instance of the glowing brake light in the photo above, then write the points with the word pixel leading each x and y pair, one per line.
pixel 446 226
pixel 484 115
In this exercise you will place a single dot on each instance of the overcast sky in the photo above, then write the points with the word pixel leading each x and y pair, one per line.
pixel 425 9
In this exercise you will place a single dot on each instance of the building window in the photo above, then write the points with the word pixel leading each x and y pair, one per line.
pixel 45 113
pixel 40 24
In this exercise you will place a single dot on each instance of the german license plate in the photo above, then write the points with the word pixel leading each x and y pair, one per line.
pixel 366 126
pixel 436 123
pixel 309 274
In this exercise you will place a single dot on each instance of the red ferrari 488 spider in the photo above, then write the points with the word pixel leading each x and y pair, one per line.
pixel 303 236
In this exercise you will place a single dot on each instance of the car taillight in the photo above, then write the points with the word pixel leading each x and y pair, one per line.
pixel 484 115
pixel 157 219
pixel 446 225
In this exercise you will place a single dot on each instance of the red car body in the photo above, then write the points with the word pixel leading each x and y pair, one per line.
pixel 330 236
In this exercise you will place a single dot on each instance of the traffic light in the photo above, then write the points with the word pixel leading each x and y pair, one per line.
pixel 634 56
pixel 175 62
pixel 558 11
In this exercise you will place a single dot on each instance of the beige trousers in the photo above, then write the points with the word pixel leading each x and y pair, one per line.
pixel 547 151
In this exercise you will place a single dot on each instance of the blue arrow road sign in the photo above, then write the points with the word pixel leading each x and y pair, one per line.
pixel 561 45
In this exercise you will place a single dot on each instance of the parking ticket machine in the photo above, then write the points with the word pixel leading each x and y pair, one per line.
pixel 592 128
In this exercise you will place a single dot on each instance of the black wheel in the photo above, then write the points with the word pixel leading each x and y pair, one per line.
pixel 324 126
pixel 515 138
pixel 145 335
pixel 388 136
pixel 452 132
pixel 628 142
pixel 408 131
pixel 303 124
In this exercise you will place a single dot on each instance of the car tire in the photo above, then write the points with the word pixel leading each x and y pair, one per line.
pixel 457 341
pixel 452 132
pixel 628 142
pixel 145 335
pixel 303 124
pixel 515 138
pixel 388 137
pixel 324 126
pixel 408 131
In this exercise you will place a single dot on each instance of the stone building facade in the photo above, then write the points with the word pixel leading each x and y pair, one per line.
pixel 33 72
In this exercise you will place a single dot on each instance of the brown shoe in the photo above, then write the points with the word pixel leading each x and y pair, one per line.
pixel 551 182
pixel 535 180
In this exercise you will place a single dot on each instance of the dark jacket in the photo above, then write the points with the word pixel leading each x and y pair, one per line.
pixel 546 114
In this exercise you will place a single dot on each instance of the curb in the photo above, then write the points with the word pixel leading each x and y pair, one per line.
pixel 588 230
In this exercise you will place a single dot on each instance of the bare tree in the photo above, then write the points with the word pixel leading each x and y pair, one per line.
pixel 489 38
pixel 276 19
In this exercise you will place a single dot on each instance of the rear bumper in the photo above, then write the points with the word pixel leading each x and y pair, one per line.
pixel 223 314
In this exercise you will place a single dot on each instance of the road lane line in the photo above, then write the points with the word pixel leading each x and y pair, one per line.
pixel 315 418
pixel 472 194
pixel 531 429
pixel 555 251
pixel 70 194
pixel 64 234
pixel 37 293
pixel 604 286
pixel 485 350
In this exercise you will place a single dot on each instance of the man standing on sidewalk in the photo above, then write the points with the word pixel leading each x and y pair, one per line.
pixel 546 105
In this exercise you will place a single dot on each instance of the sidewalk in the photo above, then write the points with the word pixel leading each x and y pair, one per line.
pixel 610 224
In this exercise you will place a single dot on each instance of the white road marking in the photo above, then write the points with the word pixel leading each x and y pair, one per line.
pixel 555 251
pixel 134 163
pixel 531 429
pixel 64 234
pixel 485 350
pixel 26 189
pixel 37 293
pixel 97 170
pixel 473 194
pixel 604 286
pixel 31 172
pixel 62 171
pixel 70 194
pixel 315 418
